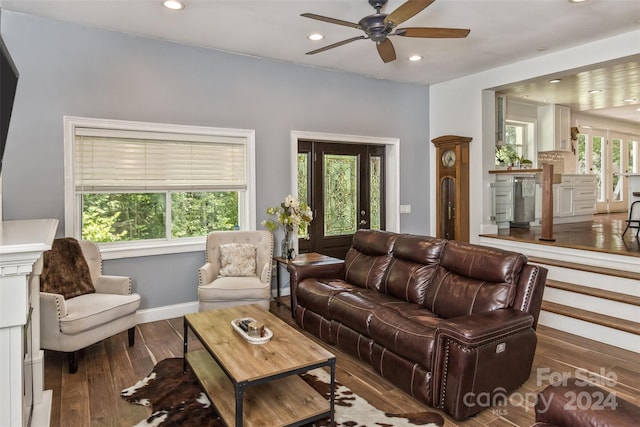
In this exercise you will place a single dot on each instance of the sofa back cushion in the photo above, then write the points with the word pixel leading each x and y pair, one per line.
pixel 415 260
pixel 368 258
pixel 473 279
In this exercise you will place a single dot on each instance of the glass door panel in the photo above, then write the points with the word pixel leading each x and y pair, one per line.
pixel 340 195
pixel 375 192
pixel 596 155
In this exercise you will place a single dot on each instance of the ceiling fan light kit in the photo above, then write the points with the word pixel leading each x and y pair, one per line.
pixel 379 26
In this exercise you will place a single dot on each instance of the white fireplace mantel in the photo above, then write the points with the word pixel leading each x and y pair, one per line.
pixel 21 246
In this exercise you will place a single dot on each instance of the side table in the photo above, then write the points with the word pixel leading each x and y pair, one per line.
pixel 310 258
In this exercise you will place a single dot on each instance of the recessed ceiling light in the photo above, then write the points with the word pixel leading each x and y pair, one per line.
pixel 315 36
pixel 415 58
pixel 577 1
pixel 173 4
pixel 525 96
pixel 629 100
pixel 594 91
pixel 555 80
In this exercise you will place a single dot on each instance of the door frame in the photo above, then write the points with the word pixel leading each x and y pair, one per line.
pixel 392 167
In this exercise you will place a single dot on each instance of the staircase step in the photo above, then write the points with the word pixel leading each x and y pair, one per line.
pixel 588 316
pixel 594 292
pixel 583 267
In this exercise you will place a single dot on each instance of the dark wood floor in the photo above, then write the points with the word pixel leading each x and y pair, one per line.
pixel 603 234
pixel 91 396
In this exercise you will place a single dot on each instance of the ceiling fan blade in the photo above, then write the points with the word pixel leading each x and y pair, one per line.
pixel 330 20
pixel 331 46
pixel 406 11
pixel 435 33
pixel 386 51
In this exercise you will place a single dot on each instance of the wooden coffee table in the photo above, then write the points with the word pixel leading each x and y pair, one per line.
pixel 257 384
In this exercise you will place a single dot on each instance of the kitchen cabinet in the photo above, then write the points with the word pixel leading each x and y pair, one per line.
pixel 502 191
pixel 574 198
pixel 562 200
pixel 554 128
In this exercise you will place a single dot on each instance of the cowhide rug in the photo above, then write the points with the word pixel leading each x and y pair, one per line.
pixel 178 400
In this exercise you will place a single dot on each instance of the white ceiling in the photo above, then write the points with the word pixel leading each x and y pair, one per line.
pixel 502 32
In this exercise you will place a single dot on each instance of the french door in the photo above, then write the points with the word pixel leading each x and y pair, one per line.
pixel 607 155
pixel 344 185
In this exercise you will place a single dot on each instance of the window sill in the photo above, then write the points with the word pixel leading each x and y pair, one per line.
pixel 150 248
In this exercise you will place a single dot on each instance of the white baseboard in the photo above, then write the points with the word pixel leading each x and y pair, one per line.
pixel 167 312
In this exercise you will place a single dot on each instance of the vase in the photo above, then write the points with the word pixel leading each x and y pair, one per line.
pixel 287 250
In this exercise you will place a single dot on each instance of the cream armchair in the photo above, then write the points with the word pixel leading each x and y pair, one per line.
pixel 217 289
pixel 75 323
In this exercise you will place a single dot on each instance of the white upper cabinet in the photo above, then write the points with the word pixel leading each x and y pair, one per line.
pixel 554 128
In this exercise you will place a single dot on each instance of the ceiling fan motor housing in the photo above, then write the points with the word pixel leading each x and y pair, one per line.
pixel 375 27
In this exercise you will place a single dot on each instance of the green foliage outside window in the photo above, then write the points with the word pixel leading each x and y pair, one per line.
pixel 115 217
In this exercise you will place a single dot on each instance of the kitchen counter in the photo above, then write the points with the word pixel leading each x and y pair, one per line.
pixel 514 171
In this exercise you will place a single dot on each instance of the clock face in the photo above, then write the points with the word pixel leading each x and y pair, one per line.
pixel 448 158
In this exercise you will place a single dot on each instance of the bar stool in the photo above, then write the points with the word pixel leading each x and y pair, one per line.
pixel 631 222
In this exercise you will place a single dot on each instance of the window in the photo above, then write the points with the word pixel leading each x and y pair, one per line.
pixel 149 188
pixel 518 143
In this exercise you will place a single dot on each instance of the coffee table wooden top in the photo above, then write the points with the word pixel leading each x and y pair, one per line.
pixel 288 350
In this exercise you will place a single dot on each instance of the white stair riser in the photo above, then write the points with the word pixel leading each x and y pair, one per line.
pixel 594 280
pixel 592 331
pixel 593 304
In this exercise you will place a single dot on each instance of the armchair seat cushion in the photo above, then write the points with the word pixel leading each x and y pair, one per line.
pixel 234 288
pixel 92 310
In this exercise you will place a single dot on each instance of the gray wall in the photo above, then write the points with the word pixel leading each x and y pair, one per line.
pixel 67 69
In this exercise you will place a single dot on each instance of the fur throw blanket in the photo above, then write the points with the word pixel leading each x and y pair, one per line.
pixel 65 270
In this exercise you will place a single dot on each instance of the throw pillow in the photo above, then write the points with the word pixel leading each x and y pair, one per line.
pixel 237 259
pixel 65 270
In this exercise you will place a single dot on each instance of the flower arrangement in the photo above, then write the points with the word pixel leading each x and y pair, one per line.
pixel 290 214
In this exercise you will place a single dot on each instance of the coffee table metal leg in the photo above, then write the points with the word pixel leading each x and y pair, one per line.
pixel 184 351
pixel 332 364
pixel 239 401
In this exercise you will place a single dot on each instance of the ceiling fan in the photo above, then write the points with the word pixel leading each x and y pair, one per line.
pixel 379 26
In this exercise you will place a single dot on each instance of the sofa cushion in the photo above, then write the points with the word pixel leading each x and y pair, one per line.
pixel 368 258
pixel 482 262
pixel 353 310
pixel 408 338
pixel 451 295
pixel 412 266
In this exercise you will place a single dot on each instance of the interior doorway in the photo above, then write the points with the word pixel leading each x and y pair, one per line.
pixel 608 155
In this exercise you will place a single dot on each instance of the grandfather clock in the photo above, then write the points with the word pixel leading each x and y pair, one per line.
pixel 452 188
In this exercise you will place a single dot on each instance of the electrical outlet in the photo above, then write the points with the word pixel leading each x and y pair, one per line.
pixel 405 208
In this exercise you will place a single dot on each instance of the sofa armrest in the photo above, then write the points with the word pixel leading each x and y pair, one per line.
pixel 206 274
pixel 120 285
pixel 320 271
pixel 481 355
pixel 298 273
pixel 478 329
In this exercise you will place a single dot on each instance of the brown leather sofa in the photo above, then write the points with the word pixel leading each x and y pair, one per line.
pixel 573 402
pixel 443 320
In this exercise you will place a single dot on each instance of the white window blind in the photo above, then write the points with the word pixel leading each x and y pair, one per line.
pixel 124 160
